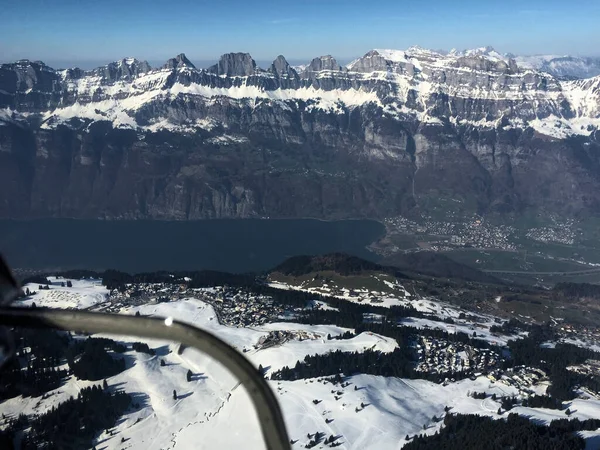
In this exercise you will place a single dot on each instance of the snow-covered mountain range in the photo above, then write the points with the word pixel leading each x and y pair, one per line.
pixel 391 109
pixel 475 86
pixel 565 67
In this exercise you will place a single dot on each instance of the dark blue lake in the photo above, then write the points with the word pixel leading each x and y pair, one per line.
pixel 241 245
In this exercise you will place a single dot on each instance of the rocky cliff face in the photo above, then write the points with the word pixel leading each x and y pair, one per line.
pixel 394 132
pixel 234 65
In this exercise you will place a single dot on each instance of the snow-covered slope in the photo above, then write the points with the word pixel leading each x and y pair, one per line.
pixel 561 66
pixel 213 411
pixel 314 337
pixel 398 295
pixel 82 295
pixel 584 96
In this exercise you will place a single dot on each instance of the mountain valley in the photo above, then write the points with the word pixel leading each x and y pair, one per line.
pixel 469 180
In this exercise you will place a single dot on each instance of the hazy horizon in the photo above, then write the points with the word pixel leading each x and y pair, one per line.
pixel 87 34
pixel 202 63
pixel 206 62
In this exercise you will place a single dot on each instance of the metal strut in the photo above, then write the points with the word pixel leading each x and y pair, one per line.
pixel 264 401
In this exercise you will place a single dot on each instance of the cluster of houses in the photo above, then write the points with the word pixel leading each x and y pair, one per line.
pixel 560 232
pixel 234 307
pixel 481 234
pixel 584 335
pixel 136 294
pixel 279 337
pixel 237 308
pixel 441 356
pixel 143 293
pixel 590 367
pixel 474 232
pixel 521 377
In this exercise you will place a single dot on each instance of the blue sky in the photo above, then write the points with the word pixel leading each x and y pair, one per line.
pixel 87 33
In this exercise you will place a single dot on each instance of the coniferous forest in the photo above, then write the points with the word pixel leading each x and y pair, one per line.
pixel 542 401
pixel 472 432
pixel 73 423
pixel 399 363
pixel 35 368
pixel 38 367
pixel 90 360
pixel 554 361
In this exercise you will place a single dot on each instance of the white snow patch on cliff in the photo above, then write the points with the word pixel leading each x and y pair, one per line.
pixel 350 97
pixel 559 128
pixel 584 96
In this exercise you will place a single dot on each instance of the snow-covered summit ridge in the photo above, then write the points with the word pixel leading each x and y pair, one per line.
pixel 560 66
pixel 416 84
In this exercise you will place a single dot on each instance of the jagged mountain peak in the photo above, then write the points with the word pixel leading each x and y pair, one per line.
pixel 372 61
pixel 487 50
pixel 73 73
pixel 122 69
pixel 179 62
pixel 418 51
pixel 24 63
pixel 130 61
pixel 236 64
pixel 280 60
pixel 280 67
pixel 371 53
pixel 482 59
pixel 325 62
pixel 487 53
pixel 389 54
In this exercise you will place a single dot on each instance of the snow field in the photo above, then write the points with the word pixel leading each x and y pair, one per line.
pixel 83 294
pixel 213 411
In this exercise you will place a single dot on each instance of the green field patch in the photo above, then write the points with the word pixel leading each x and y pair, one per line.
pixel 488 259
